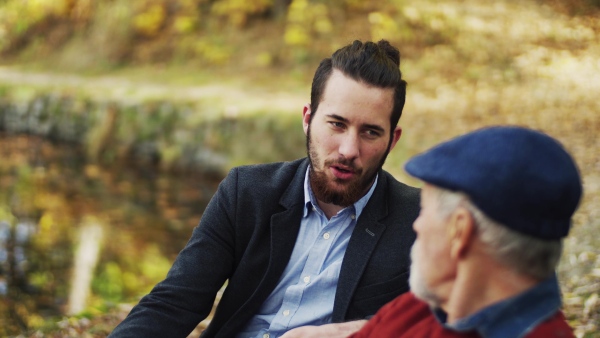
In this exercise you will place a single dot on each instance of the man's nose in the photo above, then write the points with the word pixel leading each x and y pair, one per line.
pixel 349 146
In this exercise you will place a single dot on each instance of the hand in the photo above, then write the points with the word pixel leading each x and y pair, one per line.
pixel 337 330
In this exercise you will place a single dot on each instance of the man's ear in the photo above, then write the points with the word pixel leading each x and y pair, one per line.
pixel 306 117
pixel 396 136
pixel 461 232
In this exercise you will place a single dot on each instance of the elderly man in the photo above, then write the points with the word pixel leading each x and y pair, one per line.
pixel 494 209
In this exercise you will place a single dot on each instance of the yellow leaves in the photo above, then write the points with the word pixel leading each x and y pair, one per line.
pixel 238 11
pixel 82 10
pixel 263 59
pixel 35 320
pixel 296 35
pixel 150 21
pixel 169 154
pixel 306 19
pixel 92 171
pixel 6 215
pixel 41 278
pixel 19 15
pixel 225 7
pixel 184 24
pixel 361 5
pixel 591 304
pixel 579 276
pixel 320 14
pixel 49 229
pixel 155 266
pixel 586 321
pixel 213 53
pixel 38 8
pixel 46 200
pixel 131 282
pixel 187 16
pixel 383 26
pixel 109 283
pixel 46 222
pixel 323 25
pixel 412 14
pixel 298 11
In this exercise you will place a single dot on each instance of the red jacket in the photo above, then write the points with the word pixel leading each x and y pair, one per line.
pixel 406 316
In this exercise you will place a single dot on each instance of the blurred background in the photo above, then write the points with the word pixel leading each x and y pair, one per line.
pixel 118 119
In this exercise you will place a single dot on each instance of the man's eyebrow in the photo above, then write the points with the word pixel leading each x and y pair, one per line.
pixel 368 126
pixel 337 117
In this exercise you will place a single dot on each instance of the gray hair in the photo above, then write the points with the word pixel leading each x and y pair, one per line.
pixel 525 254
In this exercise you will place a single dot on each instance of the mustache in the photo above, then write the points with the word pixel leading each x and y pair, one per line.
pixel 345 162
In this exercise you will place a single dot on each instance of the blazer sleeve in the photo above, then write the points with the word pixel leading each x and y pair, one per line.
pixel 185 297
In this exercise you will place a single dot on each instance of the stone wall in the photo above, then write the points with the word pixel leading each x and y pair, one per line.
pixel 175 135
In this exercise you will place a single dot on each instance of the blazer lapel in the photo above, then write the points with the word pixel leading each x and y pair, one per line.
pixel 364 239
pixel 286 224
pixel 284 231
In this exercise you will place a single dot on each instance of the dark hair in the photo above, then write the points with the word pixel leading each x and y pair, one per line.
pixel 377 64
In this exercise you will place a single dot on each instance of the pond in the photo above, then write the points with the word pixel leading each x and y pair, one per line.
pixel 79 237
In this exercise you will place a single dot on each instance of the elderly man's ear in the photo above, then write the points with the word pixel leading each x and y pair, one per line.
pixel 461 232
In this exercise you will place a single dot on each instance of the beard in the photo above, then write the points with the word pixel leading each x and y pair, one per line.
pixel 417 282
pixel 326 190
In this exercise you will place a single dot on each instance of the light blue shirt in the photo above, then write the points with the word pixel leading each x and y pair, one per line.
pixel 514 317
pixel 306 290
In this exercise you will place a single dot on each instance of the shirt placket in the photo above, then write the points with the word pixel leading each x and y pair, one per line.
pixel 319 251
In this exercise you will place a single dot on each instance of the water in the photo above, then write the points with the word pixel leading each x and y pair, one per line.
pixel 78 237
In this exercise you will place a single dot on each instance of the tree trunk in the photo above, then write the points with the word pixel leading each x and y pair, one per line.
pixel 280 8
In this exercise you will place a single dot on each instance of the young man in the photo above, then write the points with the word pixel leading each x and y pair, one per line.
pixel 306 242
pixel 495 207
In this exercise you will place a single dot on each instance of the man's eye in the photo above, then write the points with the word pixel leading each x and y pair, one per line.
pixel 372 133
pixel 337 124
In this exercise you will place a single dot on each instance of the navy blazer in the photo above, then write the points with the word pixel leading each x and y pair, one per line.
pixel 245 239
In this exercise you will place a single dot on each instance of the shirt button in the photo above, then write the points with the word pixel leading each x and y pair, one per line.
pixel 326 235
pixel 307 279
pixel 266 335
pixel 286 313
pixel 353 216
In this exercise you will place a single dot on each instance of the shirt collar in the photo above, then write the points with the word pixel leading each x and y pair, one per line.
pixel 513 317
pixel 310 200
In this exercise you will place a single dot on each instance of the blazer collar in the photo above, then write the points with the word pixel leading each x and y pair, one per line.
pixel 366 234
pixel 294 193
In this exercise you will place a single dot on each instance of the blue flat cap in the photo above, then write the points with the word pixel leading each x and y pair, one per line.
pixel 521 178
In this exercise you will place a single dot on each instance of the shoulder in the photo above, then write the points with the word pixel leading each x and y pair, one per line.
pixel 405 306
pixel 402 199
pixel 270 178
pixel 268 172
pixel 555 327
pixel 272 171
pixel 406 316
pixel 399 189
pixel 395 317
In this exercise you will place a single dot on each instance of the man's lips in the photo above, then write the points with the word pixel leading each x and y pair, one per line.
pixel 342 172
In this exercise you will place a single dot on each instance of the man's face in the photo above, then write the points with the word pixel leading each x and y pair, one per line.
pixel 348 139
pixel 432 269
